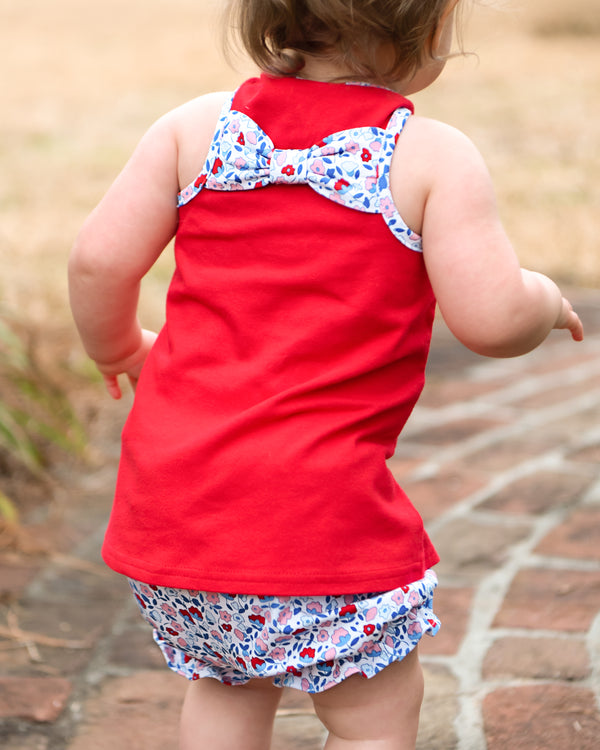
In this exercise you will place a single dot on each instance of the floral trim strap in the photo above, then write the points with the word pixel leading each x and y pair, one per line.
pixel 350 167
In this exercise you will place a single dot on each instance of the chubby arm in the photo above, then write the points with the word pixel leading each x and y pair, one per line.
pixel 127 231
pixel 491 305
pixel 116 246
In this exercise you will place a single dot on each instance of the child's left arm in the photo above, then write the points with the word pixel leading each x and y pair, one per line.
pixel 117 245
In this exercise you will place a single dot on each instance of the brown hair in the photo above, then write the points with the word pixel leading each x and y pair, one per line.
pixel 276 33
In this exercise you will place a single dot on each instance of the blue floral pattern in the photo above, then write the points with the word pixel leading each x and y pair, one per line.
pixel 350 167
pixel 310 643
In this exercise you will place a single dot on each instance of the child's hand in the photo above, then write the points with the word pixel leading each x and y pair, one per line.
pixel 130 366
pixel 569 319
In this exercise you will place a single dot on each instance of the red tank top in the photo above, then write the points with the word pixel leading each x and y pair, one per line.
pixel 254 457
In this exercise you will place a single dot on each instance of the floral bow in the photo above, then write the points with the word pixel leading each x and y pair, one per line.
pixel 350 167
pixel 346 167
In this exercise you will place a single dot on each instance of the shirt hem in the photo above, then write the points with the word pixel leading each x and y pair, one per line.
pixel 307 583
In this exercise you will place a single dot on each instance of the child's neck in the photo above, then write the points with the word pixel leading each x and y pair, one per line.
pixel 328 71
pixel 320 69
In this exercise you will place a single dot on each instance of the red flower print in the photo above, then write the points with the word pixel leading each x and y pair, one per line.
pixel 406 589
pixel 341 184
pixel 349 609
pixel 369 629
pixel 241 661
pixel 196 612
pixel 187 658
pixel 172 632
pixel 288 170
pixel 257 618
pixel 201 181
pixel 217 166
pixel 141 601
pixel 256 662
pixel 294 671
pixel 241 140
pixel 226 626
pixel 365 155
pixel 307 653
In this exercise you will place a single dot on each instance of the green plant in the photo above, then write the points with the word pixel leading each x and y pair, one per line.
pixel 35 413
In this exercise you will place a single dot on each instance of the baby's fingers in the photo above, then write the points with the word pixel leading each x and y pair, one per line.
pixel 133 381
pixel 570 320
pixel 576 327
pixel 112 386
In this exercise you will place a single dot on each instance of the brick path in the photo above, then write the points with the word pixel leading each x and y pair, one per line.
pixel 502 459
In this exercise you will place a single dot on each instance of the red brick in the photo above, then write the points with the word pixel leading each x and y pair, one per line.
pixel 541 717
pixel 401 466
pixel 439 393
pixel 35 698
pixel 295 701
pixel 135 649
pixel 510 452
pixel 589 454
pixel 452 606
pixel 538 493
pixel 434 496
pixel 562 360
pixel 543 398
pixel 563 600
pixel 469 550
pixel 537 658
pixel 298 732
pixel 440 705
pixel 451 433
pixel 578 423
pixel 140 712
pixel 578 536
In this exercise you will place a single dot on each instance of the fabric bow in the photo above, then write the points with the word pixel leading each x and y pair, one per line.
pixel 350 167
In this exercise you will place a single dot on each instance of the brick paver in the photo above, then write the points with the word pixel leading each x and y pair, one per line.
pixel 502 459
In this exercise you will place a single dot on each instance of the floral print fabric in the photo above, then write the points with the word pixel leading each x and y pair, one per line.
pixel 308 643
pixel 351 167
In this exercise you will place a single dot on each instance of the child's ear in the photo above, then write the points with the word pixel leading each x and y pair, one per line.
pixel 440 28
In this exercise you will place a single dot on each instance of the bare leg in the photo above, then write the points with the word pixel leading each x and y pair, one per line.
pixel 380 713
pixel 224 717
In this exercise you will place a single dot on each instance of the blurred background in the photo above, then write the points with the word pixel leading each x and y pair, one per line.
pixel 82 81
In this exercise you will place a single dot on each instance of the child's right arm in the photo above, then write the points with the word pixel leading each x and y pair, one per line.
pixel 490 304
pixel 127 231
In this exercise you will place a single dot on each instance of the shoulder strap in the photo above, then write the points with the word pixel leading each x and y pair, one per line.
pixel 350 167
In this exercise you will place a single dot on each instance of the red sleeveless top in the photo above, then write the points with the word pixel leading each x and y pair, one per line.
pixel 254 457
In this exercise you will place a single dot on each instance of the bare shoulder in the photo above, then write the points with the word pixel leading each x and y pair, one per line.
pixel 192 126
pixel 431 159
pixel 427 155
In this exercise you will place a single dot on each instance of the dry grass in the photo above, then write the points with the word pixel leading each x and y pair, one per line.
pixel 82 81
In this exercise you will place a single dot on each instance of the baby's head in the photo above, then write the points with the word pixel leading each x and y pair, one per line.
pixel 379 41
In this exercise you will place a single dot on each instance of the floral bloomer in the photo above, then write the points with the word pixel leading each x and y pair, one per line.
pixel 310 643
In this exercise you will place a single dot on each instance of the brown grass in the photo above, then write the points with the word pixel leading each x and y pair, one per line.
pixel 83 80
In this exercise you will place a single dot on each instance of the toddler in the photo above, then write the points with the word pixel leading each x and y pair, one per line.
pixel 317 221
